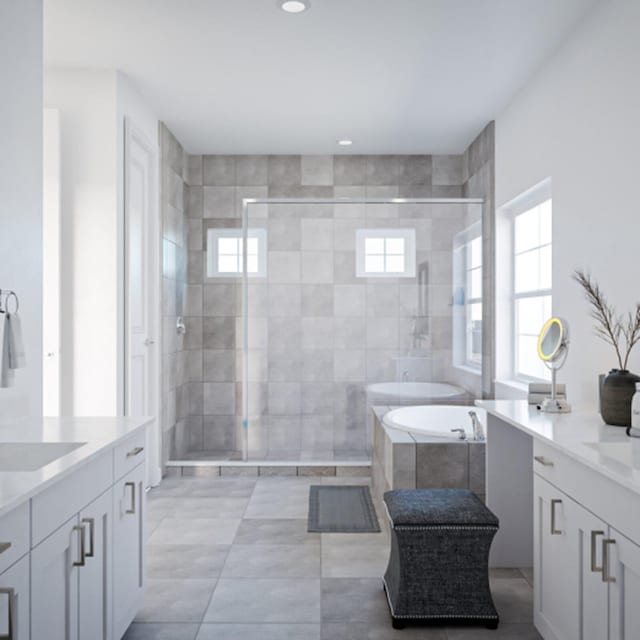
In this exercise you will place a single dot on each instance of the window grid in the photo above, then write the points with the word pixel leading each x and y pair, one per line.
pixel 473 306
pixel 384 255
pixel 532 292
pixel 225 253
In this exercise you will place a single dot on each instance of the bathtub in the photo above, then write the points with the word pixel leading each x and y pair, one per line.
pixel 435 421
pixel 412 393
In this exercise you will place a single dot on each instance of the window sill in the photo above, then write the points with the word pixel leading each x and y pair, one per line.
pixel 467 369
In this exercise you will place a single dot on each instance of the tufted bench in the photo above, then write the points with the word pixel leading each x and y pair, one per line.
pixel 438 567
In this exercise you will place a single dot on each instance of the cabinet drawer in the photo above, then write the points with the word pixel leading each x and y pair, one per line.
pixel 59 503
pixel 129 453
pixel 14 535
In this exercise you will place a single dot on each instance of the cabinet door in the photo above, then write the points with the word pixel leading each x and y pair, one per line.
pixel 14 601
pixel 622 571
pixel 570 599
pixel 54 584
pixel 95 576
pixel 128 549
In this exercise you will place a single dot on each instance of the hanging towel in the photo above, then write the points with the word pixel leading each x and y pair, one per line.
pixel 11 347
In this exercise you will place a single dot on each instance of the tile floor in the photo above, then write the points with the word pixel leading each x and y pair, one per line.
pixel 231 559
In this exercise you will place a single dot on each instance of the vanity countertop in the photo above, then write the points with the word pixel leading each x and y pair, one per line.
pixel 581 436
pixel 21 473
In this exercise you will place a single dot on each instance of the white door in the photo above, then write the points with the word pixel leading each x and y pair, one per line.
pixel 14 601
pixel 128 549
pixel 51 263
pixel 142 283
pixel 622 570
pixel 54 584
pixel 95 595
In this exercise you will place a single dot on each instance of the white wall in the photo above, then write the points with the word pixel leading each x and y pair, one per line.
pixel 89 240
pixel 21 189
pixel 93 105
pixel 578 122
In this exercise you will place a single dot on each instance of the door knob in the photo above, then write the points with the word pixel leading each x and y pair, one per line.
pixel 148 342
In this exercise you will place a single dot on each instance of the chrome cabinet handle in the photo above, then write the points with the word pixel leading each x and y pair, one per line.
pixel 605 561
pixel 80 529
pixel 132 485
pixel 8 591
pixel 92 525
pixel 554 503
pixel 134 452
pixel 594 566
pixel 543 461
pixel 4 546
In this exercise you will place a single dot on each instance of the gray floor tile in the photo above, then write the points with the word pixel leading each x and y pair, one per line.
pixel 291 504
pixel 355 539
pixel 352 561
pixel 185 561
pixel 362 631
pixel 277 531
pixel 259 632
pixel 222 488
pixel 503 632
pixel 265 600
pixel 159 506
pixel 152 631
pixel 354 600
pixel 195 531
pixel 513 598
pixel 190 507
pixel 175 600
pixel 528 575
pixel 273 561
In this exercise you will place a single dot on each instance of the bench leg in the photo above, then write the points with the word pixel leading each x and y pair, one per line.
pixel 492 625
pixel 396 623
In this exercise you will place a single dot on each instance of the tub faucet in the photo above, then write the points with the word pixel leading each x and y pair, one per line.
pixel 478 431
pixel 405 376
pixel 462 434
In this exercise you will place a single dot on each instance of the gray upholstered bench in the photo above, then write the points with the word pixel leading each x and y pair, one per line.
pixel 439 564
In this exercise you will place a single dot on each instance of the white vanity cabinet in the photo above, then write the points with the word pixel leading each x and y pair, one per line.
pixel 14 601
pixel 586 572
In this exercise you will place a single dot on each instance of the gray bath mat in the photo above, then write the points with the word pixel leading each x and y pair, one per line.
pixel 342 509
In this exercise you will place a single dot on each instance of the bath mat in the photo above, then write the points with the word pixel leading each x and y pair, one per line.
pixel 342 509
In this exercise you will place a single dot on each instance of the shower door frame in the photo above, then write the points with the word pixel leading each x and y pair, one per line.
pixel 246 203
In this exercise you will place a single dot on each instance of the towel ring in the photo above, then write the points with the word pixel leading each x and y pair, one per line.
pixel 11 294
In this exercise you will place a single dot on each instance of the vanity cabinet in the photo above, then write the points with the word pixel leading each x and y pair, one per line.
pixel 14 601
pixel 586 570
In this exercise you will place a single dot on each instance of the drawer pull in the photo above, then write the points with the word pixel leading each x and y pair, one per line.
pixel 543 461
pixel 134 452
pixel 4 546
pixel 81 562
pixel 605 561
pixel 11 616
pixel 554 531
pixel 594 566
pixel 132 486
pixel 92 526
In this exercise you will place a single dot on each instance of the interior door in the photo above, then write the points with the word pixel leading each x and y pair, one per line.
pixel 142 282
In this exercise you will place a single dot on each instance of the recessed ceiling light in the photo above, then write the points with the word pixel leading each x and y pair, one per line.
pixel 345 142
pixel 294 6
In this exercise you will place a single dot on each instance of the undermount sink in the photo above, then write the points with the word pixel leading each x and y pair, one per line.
pixel 623 452
pixel 31 456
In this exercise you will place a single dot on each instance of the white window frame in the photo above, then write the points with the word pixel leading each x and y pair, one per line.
pixel 462 328
pixel 507 373
pixel 215 233
pixel 409 237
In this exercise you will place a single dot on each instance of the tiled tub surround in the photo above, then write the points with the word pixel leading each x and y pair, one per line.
pixel 403 460
pixel 317 333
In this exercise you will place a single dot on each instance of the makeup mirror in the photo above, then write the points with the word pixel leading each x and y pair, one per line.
pixel 553 347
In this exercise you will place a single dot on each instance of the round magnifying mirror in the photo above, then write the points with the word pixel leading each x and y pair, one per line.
pixel 551 340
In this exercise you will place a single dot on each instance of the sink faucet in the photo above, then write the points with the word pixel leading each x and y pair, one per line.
pixel 478 431
pixel 462 434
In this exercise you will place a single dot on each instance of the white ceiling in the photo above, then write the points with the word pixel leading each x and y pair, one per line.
pixel 242 76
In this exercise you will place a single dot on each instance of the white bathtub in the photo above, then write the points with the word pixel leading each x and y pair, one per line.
pixel 434 420
pixel 412 393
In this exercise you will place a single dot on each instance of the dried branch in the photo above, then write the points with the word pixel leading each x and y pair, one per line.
pixel 631 333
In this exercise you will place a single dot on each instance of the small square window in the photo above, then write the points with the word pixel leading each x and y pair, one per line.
pixel 225 253
pixel 387 253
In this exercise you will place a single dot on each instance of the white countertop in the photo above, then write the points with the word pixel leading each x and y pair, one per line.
pixel 96 434
pixel 575 435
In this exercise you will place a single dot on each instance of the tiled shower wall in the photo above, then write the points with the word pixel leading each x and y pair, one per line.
pixel 319 334
pixel 175 410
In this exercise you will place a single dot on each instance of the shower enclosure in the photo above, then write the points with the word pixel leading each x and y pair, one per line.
pixel 335 294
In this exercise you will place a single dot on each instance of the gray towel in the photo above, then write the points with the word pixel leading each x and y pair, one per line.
pixel 11 348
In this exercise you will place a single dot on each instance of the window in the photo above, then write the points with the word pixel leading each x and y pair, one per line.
pixel 467 297
pixel 384 253
pixel 531 287
pixel 225 255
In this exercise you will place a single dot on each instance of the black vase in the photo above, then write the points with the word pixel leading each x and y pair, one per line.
pixel 616 391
